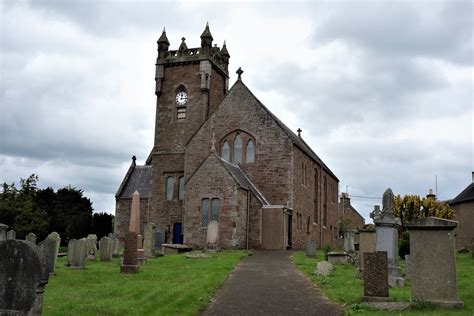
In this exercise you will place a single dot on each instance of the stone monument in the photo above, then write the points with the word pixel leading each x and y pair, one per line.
pixel 433 261
pixel 77 253
pixel 386 237
pixel 366 244
pixel 135 213
pixel 3 232
pixel 130 263
pixel 311 249
pixel 22 278
pixel 375 276
pixel 212 236
pixel 349 240
pixel 149 239
pixel 115 245
pixel 91 244
pixel 105 249
pixel 11 234
pixel 31 237
pixel 49 249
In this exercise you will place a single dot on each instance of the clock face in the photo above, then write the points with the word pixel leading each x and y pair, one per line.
pixel 181 98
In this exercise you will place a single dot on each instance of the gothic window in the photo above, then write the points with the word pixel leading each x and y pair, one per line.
pixel 250 152
pixel 316 197
pixel 204 212
pixel 169 188
pixel 325 188
pixel 215 209
pixel 181 188
pixel 225 151
pixel 308 221
pixel 303 173
pixel 238 149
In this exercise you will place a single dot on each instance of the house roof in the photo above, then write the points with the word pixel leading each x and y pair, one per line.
pixel 243 180
pixel 137 179
pixel 466 195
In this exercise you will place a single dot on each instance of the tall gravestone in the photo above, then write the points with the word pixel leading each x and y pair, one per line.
pixel 31 237
pixel 11 234
pixel 77 253
pixel 22 278
pixel 91 244
pixel 212 236
pixel 366 244
pixel 375 276
pixel 50 248
pixel 149 239
pixel 311 249
pixel 3 232
pixel 386 237
pixel 160 238
pixel 135 213
pixel 114 243
pixel 105 249
pixel 433 261
pixel 130 262
pixel 349 241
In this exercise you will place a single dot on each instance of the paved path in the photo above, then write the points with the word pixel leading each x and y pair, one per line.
pixel 268 283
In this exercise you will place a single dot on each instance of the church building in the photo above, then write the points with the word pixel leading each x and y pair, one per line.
pixel 221 155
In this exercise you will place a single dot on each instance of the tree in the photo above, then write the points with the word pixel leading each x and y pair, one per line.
pixel 410 207
pixel 102 224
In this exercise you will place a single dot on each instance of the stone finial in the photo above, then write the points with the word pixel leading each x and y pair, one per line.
pixel 239 72
pixel 224 51
pixel 376 212
pixel 163 38
pixel 388 202
pixel 183 45
pixel 213 144
pixel 163 44
pixel 299 130
pixel 134 159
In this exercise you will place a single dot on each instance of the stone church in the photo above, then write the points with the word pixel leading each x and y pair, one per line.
pixel 221 155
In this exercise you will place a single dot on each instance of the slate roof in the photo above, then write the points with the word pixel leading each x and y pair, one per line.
pixel 138 179
pixel 466 195
pixel 243 180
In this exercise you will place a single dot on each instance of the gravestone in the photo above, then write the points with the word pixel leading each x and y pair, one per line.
pixel 129 263
pixel 212 236
pixel 408 267
pixel 335 257
pixel 77 253
pixel 135 213
pixel 160 238
pixel 311 249
pixel 140 251
pixel 433 261
pixel 105 249
pixel 11 234
pixel 324 268
pixel 376 276
pixel 472 249
pixel 49 249
pixel 386 237
pixel 114 245
pixel 366 244
pixel 349 241
pixel 3 232
pixel 31 237
pixel 148 240
pixel 91 246
pixel 22 278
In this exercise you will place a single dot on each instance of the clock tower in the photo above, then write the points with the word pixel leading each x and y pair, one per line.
pixel 190 83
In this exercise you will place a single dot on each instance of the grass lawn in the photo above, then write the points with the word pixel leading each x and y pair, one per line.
pixel 167 285
pixel 342 287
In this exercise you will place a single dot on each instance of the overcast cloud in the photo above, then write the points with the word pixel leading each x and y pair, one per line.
pixel 382 90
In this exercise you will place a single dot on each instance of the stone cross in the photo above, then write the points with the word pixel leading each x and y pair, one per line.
pixel 375 276
pixel 135 213
pixel 23 278
pixel 50 248
pixel 129 264
pixel 31 237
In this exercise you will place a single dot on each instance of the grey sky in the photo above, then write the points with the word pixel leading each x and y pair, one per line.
pixel 382 91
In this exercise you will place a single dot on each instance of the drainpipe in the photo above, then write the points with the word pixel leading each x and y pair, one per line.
pixel 248 218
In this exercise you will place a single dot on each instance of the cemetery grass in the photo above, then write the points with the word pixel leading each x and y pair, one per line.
pixel 343 288
pixel 168 285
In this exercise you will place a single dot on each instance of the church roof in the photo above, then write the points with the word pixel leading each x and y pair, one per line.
pixel 243 180
pixel 137 179
pixel 466 195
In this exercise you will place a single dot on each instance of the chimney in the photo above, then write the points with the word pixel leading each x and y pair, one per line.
pixel 430 195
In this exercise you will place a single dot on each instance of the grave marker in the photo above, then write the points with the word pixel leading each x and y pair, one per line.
pixel 31 237
pixel 129 264
pixel 105 249
pixel 376 276
pixel 49 249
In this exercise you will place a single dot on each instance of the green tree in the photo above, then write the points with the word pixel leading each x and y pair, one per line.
pixel 410 207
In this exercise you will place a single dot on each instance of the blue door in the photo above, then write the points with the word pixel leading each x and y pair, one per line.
pixel 177 233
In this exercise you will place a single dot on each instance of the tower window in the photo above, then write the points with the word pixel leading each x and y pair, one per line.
pixel 215 209
pixel 225 151
pixel 169 188
pixel 238 149
pixel 181 188
pixel 250 152
pixel 204 212
pixel 181 113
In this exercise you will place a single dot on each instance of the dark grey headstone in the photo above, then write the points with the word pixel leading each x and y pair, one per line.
pixel 105 248
pixel 50 248
pixel 311 249
pixel 3 232
pixel 375 275
pixel 159 238
pixel 31 237
pixel 11 234
pixel 21 278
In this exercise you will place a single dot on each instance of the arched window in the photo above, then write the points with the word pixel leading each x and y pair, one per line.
pixel 325 188
pixel 215 209
pixel 169 188
pixel 250 152
pixel 204 212
pixel 225 151
pixel 307 224
pixel 181 188
pixel 238 149
pixel 316 196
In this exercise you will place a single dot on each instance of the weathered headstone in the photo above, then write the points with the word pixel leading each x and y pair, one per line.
pixel 311 249
pixel 160 238
pixel 91 246
pixel 31 237
pixel 433 261
pixel 129 263
pixel 22 278
pixel 105 249
pixel 375 276
pixel 212 236
pixel 77 253
pixel 135 213
pixel 3 232
pixel 324 268
pixel 50 248
pixel 386 238
pixel 408 267
pixel 349 240
pixel 148 240
pixel 366 244
pixel 114 243
pixel 11 234
pixel 140 251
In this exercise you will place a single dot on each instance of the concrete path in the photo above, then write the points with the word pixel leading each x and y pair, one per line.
pixel 268 283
